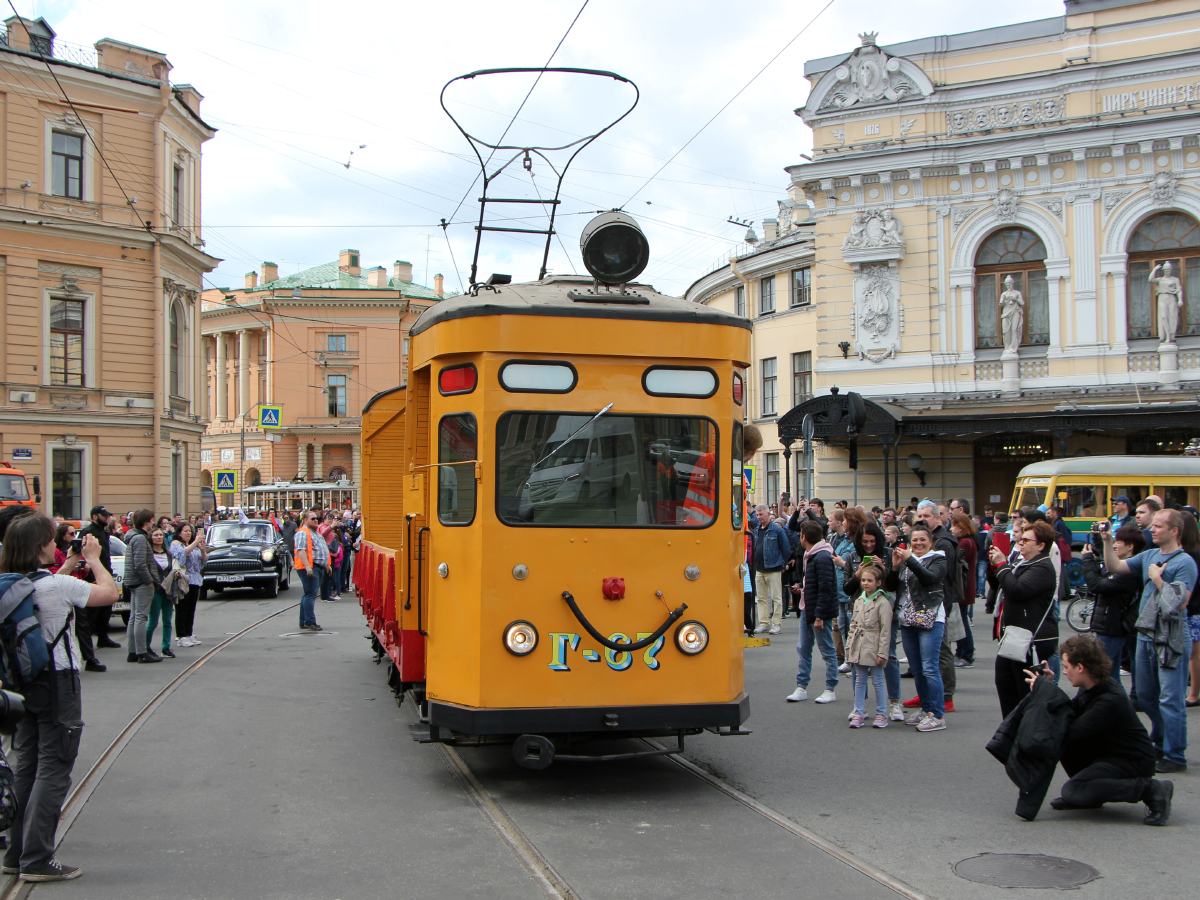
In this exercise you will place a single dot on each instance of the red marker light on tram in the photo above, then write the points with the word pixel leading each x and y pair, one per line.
pixel 457 379
pixel 614 588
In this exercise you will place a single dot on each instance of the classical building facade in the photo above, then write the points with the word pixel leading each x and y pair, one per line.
pixel 1007 247
pixel 101 260
pixel 319 344
pixel 770 282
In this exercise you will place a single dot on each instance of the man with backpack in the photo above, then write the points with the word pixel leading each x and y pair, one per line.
pixel 42 662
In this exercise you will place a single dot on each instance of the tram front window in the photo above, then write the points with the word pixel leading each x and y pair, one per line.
pixel 631 471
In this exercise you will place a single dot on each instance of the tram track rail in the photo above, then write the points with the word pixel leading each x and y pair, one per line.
pixel 14 888
pixel 553 885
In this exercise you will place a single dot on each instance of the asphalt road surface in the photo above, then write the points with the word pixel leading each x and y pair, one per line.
pixel 283 768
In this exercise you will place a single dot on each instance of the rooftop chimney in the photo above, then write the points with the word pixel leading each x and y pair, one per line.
pixel 437 285
pixel 251 280
pixel 270 272
pixel 377 277
pixel 770 229
pixel 402 271
pixel 348 262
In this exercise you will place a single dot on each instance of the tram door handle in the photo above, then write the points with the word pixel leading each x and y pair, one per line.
pixel 421 577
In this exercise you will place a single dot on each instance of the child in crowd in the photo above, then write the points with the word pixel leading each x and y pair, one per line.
pixel 868 644
pixel 894 538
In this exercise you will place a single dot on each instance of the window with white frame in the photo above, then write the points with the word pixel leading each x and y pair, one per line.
pixel 769 388
pixel 739 300
pixel 801 377
pixel 335 342
pixel 801 287
pixel 66 165
pixel 771 481
pixel 70 482
pixel 67 342
pixel 177 189
pixel 336 385
pixel 175 353
pixel 766 296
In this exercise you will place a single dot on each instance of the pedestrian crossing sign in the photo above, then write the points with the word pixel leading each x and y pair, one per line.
pixel 270 417
pixel 225 481
pixel 749 472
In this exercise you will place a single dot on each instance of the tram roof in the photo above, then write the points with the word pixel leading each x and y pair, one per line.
pixel 302 486
pixel 549 297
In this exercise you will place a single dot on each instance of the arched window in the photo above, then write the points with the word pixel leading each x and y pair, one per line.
pixel 337 473
pixel 1168 237
pixel 1020 253
pixel 253 478
pixel 175 353
pixel 205 478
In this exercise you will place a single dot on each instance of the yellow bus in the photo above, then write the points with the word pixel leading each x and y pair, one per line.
pixel 1085 486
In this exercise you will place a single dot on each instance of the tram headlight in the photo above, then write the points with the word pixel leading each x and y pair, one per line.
pixel 614 249
pixel 691 637
pixel 520 638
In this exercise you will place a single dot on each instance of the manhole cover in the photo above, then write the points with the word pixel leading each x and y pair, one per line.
pixel 1027 870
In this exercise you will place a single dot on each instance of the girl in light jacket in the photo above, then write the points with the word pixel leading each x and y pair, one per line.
pixel 869 643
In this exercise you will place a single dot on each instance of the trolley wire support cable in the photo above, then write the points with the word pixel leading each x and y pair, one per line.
pixel 74 804
pixel 524 154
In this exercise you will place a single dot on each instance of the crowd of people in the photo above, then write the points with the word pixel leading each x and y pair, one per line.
pixel 69 573
pixel 874 589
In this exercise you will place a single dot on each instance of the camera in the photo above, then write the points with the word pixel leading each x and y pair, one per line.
pixel 77 545
pixel 1099 527
pixel 12 710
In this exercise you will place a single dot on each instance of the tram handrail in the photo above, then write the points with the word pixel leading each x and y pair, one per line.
pixel 618 645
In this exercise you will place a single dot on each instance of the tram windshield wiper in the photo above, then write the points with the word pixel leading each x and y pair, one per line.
pixel 572 436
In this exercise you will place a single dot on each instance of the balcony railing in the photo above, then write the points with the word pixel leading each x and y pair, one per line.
pixel 72 53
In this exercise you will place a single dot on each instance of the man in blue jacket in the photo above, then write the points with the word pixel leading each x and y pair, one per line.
pixel 820 611
pixel 771 552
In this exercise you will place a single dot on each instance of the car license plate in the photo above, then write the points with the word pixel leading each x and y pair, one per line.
pixel 122 607
pixel 226 579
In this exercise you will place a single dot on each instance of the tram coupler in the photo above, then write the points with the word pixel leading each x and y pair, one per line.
pixel 730 731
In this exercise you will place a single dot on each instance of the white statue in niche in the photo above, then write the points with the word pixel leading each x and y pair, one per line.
pixel 1012 316
pixel 1169 297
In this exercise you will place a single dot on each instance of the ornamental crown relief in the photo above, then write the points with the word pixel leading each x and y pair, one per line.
pixel 870 76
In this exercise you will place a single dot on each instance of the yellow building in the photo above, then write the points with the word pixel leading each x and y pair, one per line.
pixel 770 282
pixel 100 265
pixel 1061 153
pixel 319 344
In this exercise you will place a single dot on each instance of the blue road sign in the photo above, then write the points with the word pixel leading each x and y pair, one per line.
pixel 22 453
pixel 225 481
pixel 749 473
pixel 270 416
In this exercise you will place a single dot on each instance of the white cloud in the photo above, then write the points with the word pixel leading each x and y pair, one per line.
pixel 294 87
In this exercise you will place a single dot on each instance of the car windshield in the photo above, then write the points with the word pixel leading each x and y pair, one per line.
pixel 234 532
pixel 628 471
pixel 13 488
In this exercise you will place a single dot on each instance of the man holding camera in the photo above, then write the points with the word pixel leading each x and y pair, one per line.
pixel 46 741
pixel 1161 687
pixel 95 621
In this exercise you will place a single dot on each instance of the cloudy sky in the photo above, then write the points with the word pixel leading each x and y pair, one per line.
pixel 295 87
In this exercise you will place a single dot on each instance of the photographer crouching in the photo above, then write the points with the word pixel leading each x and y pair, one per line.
pixel 46 741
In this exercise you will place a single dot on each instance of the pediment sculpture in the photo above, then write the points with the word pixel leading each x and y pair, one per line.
pixel 870 76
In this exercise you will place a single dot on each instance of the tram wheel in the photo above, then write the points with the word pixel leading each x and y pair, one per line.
pixel 532 751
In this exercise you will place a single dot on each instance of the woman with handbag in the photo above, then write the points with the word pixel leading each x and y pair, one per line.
pixel 161 566
pixel 919 577
pixel 1025 593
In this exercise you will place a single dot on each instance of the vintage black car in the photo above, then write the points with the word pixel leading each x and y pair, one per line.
pixel 247 555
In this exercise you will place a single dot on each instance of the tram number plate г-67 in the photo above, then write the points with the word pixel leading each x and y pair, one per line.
pixel 227 579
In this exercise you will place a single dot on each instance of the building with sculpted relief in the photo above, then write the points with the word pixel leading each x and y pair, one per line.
pixel 1006 249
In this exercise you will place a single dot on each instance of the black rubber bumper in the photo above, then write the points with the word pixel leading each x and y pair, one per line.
pixel 575 719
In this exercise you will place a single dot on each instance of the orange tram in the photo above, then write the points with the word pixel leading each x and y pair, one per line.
pixel 553 514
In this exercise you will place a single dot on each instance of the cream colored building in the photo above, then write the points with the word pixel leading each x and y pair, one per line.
pixel 319 344
pixel 1061 152
pixel 101 259
pixel 770 282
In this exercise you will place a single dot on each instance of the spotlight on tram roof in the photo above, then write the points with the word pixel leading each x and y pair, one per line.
pixel 614 249
pixel 496 278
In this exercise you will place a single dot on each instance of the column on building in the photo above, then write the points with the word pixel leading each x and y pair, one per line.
pixel 270 364
pixel 356 463
pixel 221 386
pixel 302 460
pixel 318 462
pixel 243 385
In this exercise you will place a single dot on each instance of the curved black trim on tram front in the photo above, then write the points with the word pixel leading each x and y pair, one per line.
pixel 613 645
pixel 440 313
pixel 380 395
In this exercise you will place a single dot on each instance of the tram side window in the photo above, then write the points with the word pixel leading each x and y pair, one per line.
pixel 458 442
pixel 1033 495
pixel 571 469
pixel 1135 492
